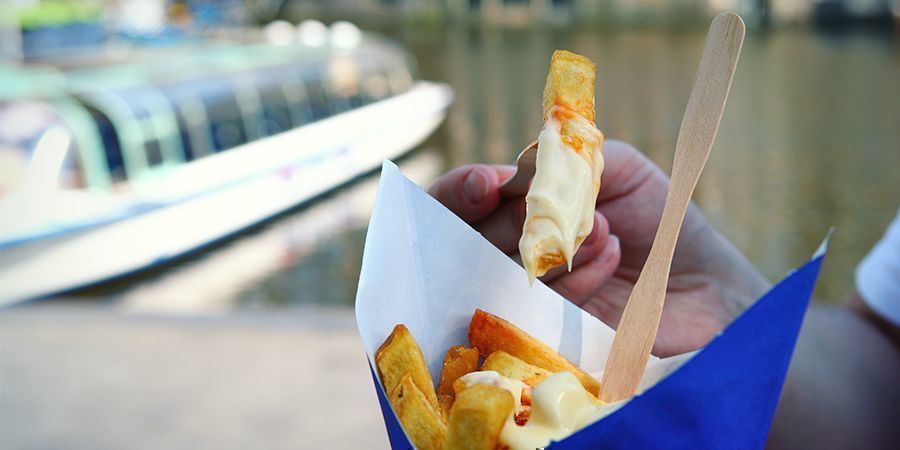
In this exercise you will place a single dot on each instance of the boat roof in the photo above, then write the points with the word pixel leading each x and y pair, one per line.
pixel 176 63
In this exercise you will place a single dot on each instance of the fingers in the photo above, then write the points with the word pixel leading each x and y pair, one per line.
pixel 504 227
pixel 625 170
pixel 470 191
pixel 583 282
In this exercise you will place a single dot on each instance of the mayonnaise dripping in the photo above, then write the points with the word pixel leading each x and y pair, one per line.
pixel 560 202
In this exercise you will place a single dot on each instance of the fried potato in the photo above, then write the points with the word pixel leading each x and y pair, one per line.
pixel 560 206
pixel 459 386
pixel 400 355
pixel 489 333
pixel 570 83
pixel 421 421
pixel 477 417
pixel 459 361
pixel 445 402
pixel 511 367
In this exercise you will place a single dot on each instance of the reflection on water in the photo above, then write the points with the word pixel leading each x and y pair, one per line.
pixel 809 140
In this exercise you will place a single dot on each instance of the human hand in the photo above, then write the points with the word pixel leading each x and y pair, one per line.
pixel 710 281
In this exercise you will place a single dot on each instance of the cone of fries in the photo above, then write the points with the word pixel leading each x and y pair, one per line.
pixel 466 354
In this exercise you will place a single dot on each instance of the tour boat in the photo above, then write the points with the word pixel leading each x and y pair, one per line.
pixel 111 169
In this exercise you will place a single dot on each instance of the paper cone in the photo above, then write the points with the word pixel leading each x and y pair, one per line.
pixel 426 268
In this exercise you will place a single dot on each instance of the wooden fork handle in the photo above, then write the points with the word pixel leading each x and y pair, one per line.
pixel 637 329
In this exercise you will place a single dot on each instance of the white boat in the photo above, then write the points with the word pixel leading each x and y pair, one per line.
pixel 126 175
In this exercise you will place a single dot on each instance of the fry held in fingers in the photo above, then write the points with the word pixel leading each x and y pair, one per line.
pixel 561 200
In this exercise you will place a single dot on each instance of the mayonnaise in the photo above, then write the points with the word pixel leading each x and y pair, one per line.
pixel 495 379
pixel 560 202
pixel 559 407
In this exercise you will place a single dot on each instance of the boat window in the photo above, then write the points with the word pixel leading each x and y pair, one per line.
pixel 318 99
pixel 295 94
pixel 400 80
pixel 184 131
pixel 226 122
pixel 343 79
pixel 111 146
pixel 191 117
pixel 276 113
pixel 347 98
pixel 156 117
pixel 374 87
pixel 154 153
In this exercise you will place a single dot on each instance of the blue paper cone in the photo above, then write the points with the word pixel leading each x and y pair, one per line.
pixel 426 268
pixel 725 396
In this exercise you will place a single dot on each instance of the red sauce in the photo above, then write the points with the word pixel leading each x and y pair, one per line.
pixel 522 416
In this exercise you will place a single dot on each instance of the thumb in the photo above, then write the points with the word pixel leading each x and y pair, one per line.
pixel 626 170
pixel 470 191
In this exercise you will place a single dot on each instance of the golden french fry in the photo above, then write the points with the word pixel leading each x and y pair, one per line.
pixel 570 83
pixel 400 355
pixel 445 402
pixel 511 367
pixel 560 201
pixel 489 333
pixel 421 421
pixel 459 386
pixel 477 417
pixel 459 361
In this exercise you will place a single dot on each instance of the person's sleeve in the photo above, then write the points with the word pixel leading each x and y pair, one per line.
pixel 878 275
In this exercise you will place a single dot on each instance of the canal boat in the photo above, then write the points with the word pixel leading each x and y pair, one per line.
pixel 112 169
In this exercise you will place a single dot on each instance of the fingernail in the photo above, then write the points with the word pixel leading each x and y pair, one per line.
pixel 612 245
pixel 476 186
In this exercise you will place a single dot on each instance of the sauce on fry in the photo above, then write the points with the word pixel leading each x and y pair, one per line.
pixel 560 203
pixel 560 407
pixel 515 387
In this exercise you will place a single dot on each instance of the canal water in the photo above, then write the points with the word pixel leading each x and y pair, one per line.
pixel 810 140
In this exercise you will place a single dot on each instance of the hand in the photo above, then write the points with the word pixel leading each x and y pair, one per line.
pixel 710 282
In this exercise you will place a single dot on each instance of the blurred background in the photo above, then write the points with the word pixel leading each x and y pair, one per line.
pixel 185 185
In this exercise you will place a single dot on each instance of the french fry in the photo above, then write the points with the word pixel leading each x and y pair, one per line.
pixel 421 421
pixel 570 83
pixel 477 417
pixel 445 402
pixel 489 333
pixel 560 202
pixel 400 355
pixel 511 367
pixel 459 361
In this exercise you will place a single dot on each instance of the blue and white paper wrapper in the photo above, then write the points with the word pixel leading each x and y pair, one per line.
pixel 424 267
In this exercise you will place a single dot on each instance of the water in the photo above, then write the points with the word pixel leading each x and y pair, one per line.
pixel 809 140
